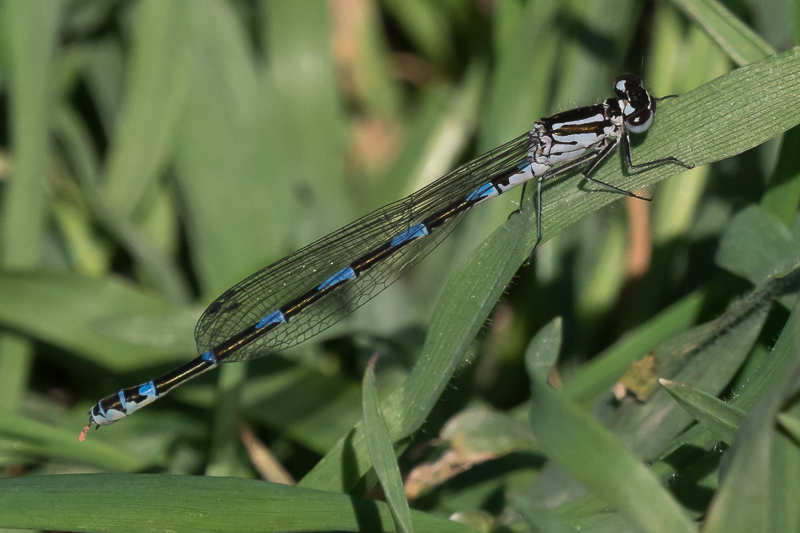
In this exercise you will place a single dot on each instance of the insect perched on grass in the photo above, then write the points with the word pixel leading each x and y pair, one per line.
pixel 306 292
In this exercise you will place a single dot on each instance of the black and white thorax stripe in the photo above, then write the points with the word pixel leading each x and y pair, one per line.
pixel 566 136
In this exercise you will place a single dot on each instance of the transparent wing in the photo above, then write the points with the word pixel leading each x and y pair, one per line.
pixel 267 290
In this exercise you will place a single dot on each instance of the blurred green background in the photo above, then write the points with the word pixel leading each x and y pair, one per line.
pixel 155 153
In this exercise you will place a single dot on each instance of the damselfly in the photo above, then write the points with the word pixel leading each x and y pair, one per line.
pixel 306 292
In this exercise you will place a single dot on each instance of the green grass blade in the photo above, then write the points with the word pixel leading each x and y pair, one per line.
pixel 707 356
pixel 740 326
pixel 145 130
pixel 518 96
pixel 482 430
pixel 742 503
pixel 31 30
pixel 601 463
pixel 676 201
pixel 754 389
pixel 603 371
pixel 719 417
pixel 741 43
pixel 110 323
pixel 382 454
pixel 231 160
pixel 543 350
pixel 792 424
pixel 783 195
pixel 27 439
pixel 148 503
pixel 784 488
pixel 427 27
pixel 310 109
pixel 757 246
pixel 542 520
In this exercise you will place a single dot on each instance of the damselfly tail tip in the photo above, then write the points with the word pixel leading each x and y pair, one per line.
pixel 86 429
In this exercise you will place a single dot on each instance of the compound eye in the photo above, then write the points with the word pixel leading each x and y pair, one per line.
pixel 639 121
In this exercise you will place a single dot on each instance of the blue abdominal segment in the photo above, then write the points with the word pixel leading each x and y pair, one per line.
pixel 341 276
pixel 272 318
pixel 484 191
pixel 414 232
pixel 148 389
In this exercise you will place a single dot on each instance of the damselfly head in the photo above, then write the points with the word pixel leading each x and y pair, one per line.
pixel 629 87
pixel 638 107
